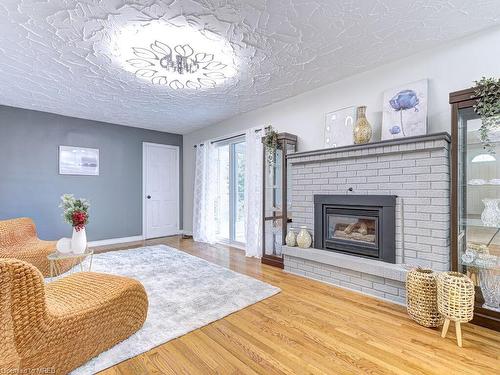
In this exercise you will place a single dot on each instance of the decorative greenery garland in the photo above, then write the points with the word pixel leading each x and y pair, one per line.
pixel 271 145
pixel 487 106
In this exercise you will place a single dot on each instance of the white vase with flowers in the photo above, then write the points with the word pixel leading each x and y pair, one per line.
pixel 75 212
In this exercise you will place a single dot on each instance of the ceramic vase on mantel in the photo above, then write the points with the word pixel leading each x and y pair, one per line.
pixel 304 239
pixel 78 241
pixel 362 129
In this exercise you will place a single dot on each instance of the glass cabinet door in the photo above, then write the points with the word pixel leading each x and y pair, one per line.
pixel 478 208
pixel 272 205
pixel 290 149
pixel 277 200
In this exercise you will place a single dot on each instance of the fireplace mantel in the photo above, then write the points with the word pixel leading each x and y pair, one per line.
pixel 374 148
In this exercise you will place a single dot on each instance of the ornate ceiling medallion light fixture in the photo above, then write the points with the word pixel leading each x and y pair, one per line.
pixel 177 57
pixel 178 67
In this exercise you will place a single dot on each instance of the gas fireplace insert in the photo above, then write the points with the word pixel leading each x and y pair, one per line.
pixel 361 225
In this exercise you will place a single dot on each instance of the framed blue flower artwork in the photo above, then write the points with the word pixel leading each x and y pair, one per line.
pixel 405 111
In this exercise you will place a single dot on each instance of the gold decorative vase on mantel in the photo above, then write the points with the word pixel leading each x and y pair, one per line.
pixel 362 129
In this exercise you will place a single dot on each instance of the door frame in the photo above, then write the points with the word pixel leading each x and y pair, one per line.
pixel 144 175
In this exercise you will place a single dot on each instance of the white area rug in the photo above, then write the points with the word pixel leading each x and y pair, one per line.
pixel 185 293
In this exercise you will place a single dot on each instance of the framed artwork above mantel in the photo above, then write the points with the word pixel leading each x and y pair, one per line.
pixel 475 237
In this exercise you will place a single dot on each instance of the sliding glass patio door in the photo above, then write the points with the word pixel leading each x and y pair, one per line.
pixel 230 200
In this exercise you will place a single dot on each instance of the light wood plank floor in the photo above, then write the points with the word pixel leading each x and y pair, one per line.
pixel 311 328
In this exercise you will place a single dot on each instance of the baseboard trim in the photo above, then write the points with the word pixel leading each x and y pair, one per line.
pixel 114 241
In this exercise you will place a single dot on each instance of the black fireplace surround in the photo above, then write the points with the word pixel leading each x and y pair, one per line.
pixel 361 225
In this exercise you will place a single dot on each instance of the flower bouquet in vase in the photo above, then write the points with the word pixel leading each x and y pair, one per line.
pixel 75 212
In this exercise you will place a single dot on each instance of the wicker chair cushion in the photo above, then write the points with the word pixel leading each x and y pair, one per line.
pixel 69 321
pixel 18 239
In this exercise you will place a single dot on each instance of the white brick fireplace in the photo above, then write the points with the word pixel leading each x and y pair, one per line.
pixel 416 170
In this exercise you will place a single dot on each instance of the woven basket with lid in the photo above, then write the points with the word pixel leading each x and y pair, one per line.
pixel 421 297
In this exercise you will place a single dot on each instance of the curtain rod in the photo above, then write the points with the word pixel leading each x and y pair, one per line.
pixel 232 137
pixel 227 138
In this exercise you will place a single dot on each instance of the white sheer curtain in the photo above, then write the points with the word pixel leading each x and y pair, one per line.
pixel 204 193
pixel 253 191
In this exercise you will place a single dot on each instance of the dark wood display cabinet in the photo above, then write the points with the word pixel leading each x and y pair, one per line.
pixel 276 214
pixel 475 212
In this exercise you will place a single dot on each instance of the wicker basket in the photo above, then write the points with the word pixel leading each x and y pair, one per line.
pixel 421 297
pixel 455 296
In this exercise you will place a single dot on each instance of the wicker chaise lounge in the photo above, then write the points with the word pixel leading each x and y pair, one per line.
pixel 18 239
pixel 65 323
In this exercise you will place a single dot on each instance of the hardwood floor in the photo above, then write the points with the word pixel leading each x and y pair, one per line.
pixel 311 328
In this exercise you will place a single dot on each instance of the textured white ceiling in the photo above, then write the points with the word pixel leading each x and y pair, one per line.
pixel 55 54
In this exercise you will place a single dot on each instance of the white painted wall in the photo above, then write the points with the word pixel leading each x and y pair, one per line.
pixel 449 68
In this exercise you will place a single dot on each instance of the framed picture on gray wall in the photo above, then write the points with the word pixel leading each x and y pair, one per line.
pixel 78 161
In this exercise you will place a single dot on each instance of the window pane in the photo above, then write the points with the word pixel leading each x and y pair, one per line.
pixel 239 192
pixel 222 199
pixel 230 199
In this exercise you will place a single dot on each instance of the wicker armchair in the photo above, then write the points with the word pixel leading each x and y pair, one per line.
pixel 65 323
pixel 18 239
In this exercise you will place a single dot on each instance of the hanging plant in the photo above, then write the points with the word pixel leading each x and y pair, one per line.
pixel 487 91
pixel 271 145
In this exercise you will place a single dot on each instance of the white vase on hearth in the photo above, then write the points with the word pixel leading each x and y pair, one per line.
pixel 304 239
pixel 291 238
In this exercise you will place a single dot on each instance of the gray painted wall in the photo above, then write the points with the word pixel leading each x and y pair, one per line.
pixel 30 184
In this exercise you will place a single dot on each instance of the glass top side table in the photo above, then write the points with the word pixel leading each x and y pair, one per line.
pixel 56 258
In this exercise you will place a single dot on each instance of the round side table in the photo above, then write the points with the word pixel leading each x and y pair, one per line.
pixel 55 258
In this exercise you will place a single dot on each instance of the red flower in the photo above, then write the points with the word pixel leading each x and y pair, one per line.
pixel 79 219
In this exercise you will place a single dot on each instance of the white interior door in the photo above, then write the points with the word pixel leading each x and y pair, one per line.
pixel 160 190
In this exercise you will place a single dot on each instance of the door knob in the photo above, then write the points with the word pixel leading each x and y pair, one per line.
pixel 149 197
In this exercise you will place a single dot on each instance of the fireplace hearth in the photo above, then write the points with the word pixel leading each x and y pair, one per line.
pixel 361 225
